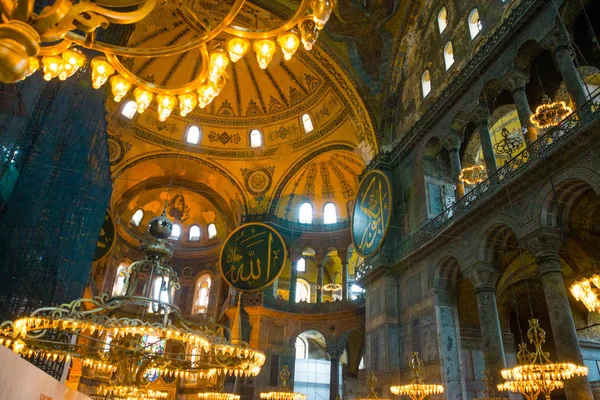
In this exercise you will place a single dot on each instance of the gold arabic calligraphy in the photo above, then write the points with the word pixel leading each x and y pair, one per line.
pixel 373 205
pixel 255 258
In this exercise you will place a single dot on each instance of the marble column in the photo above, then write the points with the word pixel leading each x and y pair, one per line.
pixel 344 280
pixel 452 144
pixel 319 299
pixel 484 279
pixel 545 245
pixel 516 84
pixel 334 374
pixel 293 281
pixel 481 118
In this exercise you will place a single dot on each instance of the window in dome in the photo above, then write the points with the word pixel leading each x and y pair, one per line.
pixel 448 55
pixel 329 214
pixel 137 217
pixel 442 19
pixel 194 233
pixel 212 231
pixel 301 349
pixel 307 122
pixel 119 285
pixel 426 83
pixel 175 232
pixel 305 215
pixel 162 292
pixel 202 294
pixel 301 265
pixel 193 135
pixel 302 291
pixel 475 25
pixel 255 138
pixel 129 109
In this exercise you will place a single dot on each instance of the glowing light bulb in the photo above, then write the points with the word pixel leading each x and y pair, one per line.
pixel 187 102
pixel 218 63
pixel 289 42
pixel 119 87
pixel 143 98
pixel 101 70
pixel 321 11
pixel 53 65
pixel 218 85
pixel 166 104
pixel 309 33
pixel 67 71
pixel 264 49
pixel 74 57
pixel 206 94
pixel 237 48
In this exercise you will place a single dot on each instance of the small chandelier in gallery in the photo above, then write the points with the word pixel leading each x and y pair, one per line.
pixel 130 338
pixel 549 113
pixel 371 382
pixel 586 290
pixel 283 393
pixel 535 373
pixel 490 391
pixel 56 34
pixel 473 175
pixel 218 394
pixel 417 390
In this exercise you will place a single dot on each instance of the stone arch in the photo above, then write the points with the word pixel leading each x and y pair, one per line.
pixel 329 341
pixel 445 269
pixel 501 231
pixel 525 55
pixel 431 139
pixel 490 91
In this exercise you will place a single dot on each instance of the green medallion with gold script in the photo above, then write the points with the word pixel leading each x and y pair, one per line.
pixel 372 211
pixel 106 238
pixel 252 257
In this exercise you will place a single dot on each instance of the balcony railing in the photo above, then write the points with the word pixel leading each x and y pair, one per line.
pixel 545 143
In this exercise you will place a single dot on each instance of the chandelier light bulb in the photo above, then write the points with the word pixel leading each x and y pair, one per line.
pixel 289 42
pixel 166 104
pixel 187 102
pixel 101 70
pixel 321 11
pixel 218 85
pixel 206 94
pixel 309 33
pixel 237 48
pixel 119 87
pixel 143 98
pixel 74 57
pixel 264 49
pixel 218 63
pixel 53 66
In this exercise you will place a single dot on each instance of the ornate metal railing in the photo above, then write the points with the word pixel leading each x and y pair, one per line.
pixel 545 143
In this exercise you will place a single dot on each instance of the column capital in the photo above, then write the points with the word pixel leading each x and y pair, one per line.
pixel 480 115
pixel 483 276
pixel 516 81
pixel 545 244
pixel 555 40
pixel 452 141
pixel 334 353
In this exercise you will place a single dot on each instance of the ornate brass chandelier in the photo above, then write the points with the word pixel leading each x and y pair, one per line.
pixel 371 382
pixel 508 144
pixel 132 338
pixel 586 290
pixel 55 32
pixel 417 390
pixel 220 393
pixel 284 393
pixel 490 391
pixel 549 113
pixel 473 175
pixel 535 373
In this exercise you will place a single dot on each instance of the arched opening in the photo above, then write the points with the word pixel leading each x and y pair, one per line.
pixel 129 109
pixel 175 232
pixel 426 83
pixel 255 138
pixel 312 372
pixel 302 291
pixel 202 296
pixel 329 214
pixel 307 123
pixel 305 213
pixel 437 175
pixel 212 231
pixel 301 265
pixel 193 135
pixel 442 19
pixel 301 348
pixel 194 233
pixel 119 285
pixel 475 25
pixel 448 55
pixel 137 217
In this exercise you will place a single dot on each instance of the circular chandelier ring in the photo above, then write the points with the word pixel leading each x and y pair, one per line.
pixel 268 33
pixel 154 88
pixel 55 49
pixel 160 51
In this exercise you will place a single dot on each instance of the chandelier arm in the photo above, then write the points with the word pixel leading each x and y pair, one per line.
pixel 7 8
pixel 55 49
pixel 23 10
pixel 263 34
pixel 160 51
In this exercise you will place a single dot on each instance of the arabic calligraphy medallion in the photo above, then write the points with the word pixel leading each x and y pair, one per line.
pixel 372 211
pixel 252 257
pixel 106 238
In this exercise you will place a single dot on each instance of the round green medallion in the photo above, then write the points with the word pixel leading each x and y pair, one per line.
pixel 106 238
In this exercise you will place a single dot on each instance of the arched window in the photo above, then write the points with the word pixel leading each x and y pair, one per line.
pixel 302 291
pixel 212 231
pixel 137 217
pixel 119 285
pixel 329 214
pixel 442 19
pixel 475 25
pixel 193 135
pixel 426 83
pixel 307 122
pixel 448 55
pixel 202 294
pixel 129 109
pixel 194 233
pixel 160 290
pixel 255 138
pixel 301 265
pixel 301 348
pixel 175 232
pixel 305 215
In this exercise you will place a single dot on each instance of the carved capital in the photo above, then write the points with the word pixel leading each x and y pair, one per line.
pixel 480 115
pixel 483 276
pixel 516 81
pixel 555 40
pixel 334 353
pixel 452 141
pixel 545 244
